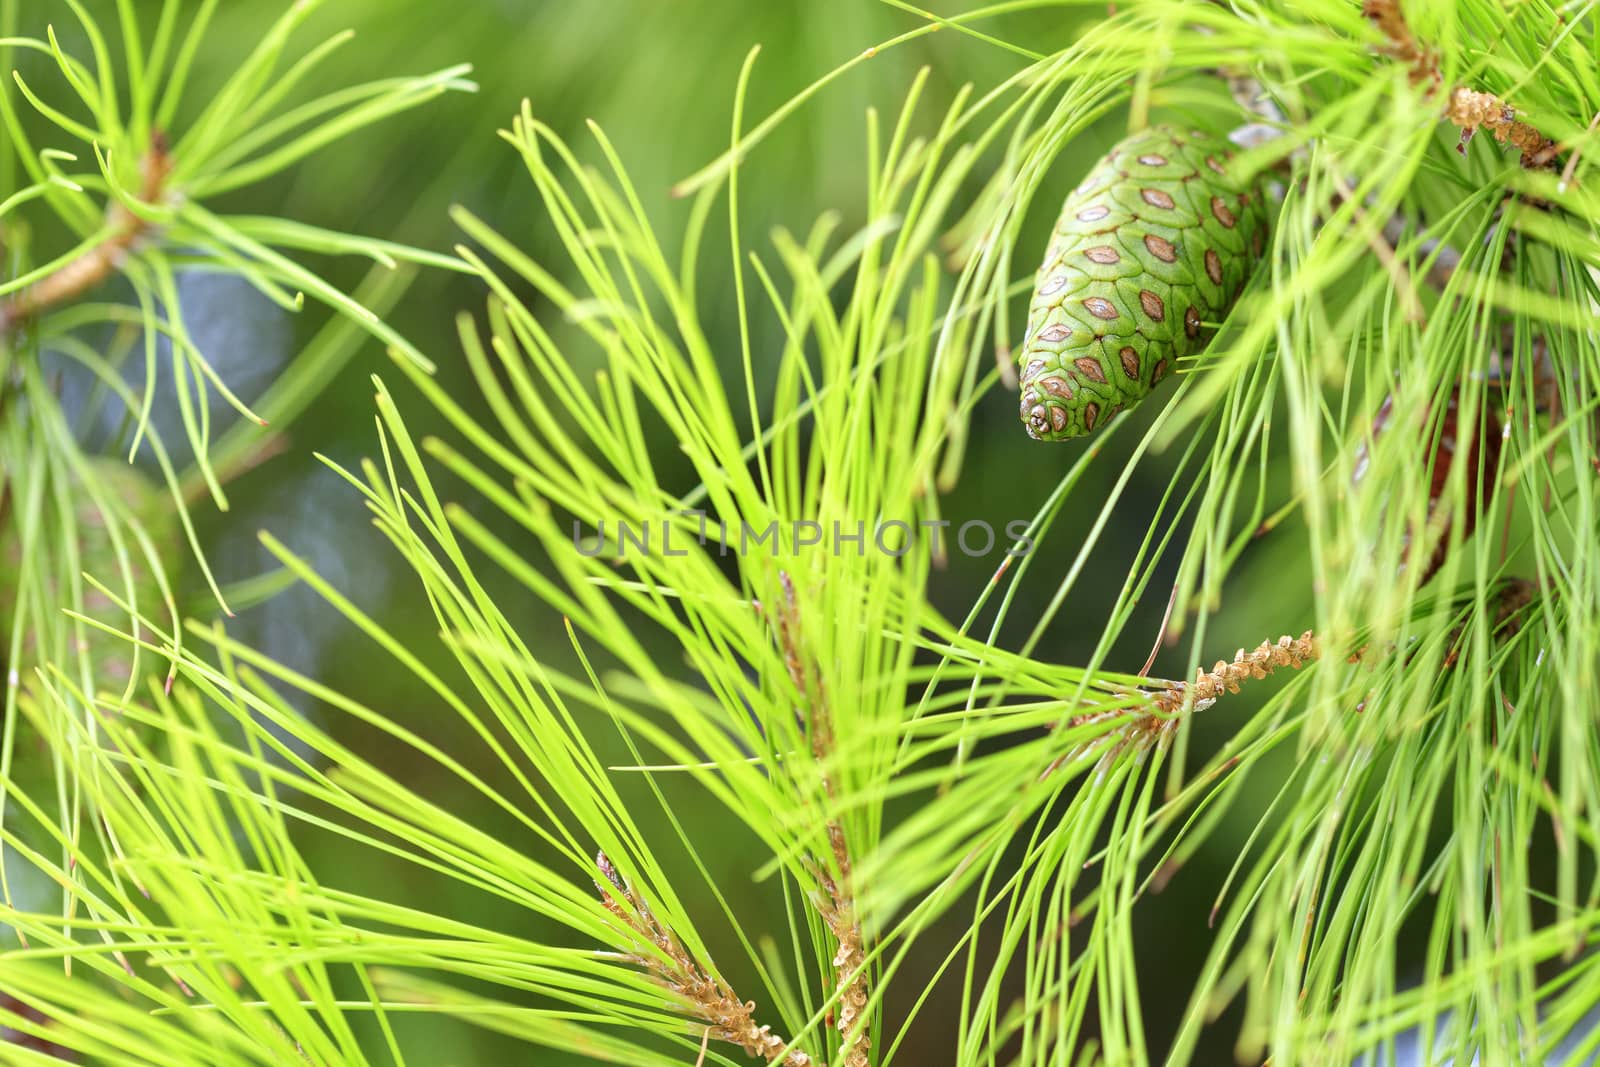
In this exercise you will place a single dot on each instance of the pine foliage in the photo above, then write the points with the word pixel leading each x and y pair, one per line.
pixel 1388 447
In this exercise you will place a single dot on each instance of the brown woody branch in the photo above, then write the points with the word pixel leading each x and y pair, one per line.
pixel 103 260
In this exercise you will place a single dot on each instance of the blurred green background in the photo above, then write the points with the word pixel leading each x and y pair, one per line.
pixel 658 76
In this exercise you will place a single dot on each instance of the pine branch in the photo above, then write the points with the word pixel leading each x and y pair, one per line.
pixel 1465 107
pixel 1291 652
pixel 106 258
pixel 1226 677
pixel 838 910
pixel 726 1016
pixel 1150 728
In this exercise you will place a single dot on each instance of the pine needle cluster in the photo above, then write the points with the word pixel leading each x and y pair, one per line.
pixel 937 827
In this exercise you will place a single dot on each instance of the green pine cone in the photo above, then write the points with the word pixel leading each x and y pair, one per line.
pixel 1149 255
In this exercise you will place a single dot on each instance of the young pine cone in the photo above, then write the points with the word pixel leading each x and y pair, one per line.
pixel 1150 252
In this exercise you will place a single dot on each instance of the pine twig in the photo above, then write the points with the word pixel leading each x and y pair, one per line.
pixel 838 909
pixel 1149 728
pixel 1226 677
pixel 727 1017
pixel 1465 107
pixel 103 260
